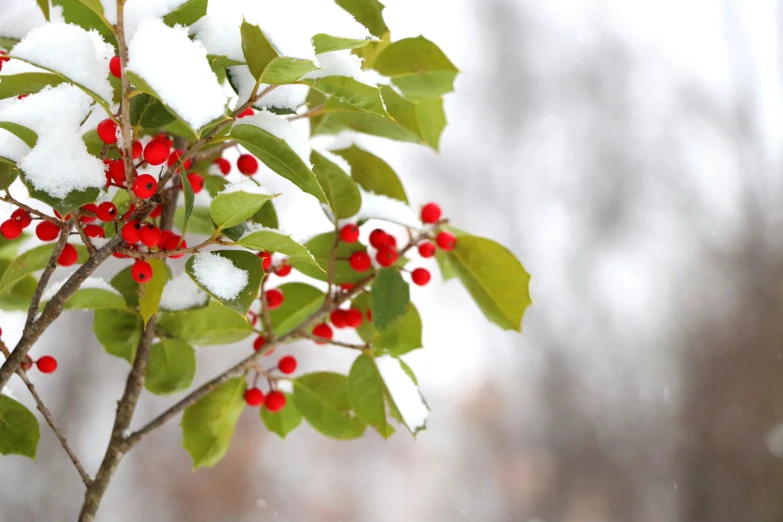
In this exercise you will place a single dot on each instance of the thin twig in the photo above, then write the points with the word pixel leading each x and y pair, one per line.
pixel 324 340
pixel 315 111
pixel 125 125
pixel 9 199
pixel 333 259
pixel 75 219
pixel 266 317
pixel 46 275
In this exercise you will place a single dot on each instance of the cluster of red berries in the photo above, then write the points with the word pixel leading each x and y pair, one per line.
pixel 46 231
pixel 45 364
pixel 281 270
pixel 273 401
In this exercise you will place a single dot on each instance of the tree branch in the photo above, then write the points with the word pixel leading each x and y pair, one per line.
pixel 9 199
pixel 65 232
pixel 125 125
pixel 75 219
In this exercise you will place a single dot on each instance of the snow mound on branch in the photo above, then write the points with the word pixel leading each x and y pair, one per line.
pixel 55 114
pixel 176 68
pixel 182 293
pixel 281 128
pixel 138 11
pixel 341 63
pixel 19 17
pixel 91 282
pixel 245 186
pixel 219 275
pixel 283 97
pixel 81 56
pixel 404 392
pixel 378 206
pixel 11 147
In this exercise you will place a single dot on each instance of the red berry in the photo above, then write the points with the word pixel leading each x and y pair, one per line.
pixel 287 364
pixel 115 67
pixel 116 172
pixel 164 235
pixel 378 238
pixel 11 229
pixel 175 242
pixel 283 269
pixel 360 261
pixel 107 131
pixel 349 233
pixel 131 232
pixel 386 256
pixel 196 182
pixel 274 298
pixel 165 138
pixel 94 231
pixel 259 343
pixel 353 318
pixel 274 401
pixel 421 276
pixel 266 259
pixel 323 330
pixel 106 212
pixel 156 212
pixel 247 112
pixel 141 271
pixel 157 151
pixel 247 164
pixel 426 249
pixel 136 149
pixel 145 186
pixel 27 363
pixel 22 216
pixel 254 397
pixel 174 158
pixel 46 364
pixel 430 213
pixel 47 231
pixel 68 255
pixel 224 165
pixel 337 317
pixel 91 208
pixel 446 240
pixel 149 235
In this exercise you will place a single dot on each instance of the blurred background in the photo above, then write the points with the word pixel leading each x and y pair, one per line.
pixel 629 153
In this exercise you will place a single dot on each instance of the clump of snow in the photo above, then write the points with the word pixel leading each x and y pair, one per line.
pixel 378 206
pixel 404 392
pixel 55 114
pixel 283 97
pixel 138 11
pixel 280 127
pixel 19 17
pixel 178 71
pixel 247 186
pixel 91 282
pixel 110 11
pixel 11 147
pixel 182 293
pixel 341 63
pixel 219 275
pixel 81 56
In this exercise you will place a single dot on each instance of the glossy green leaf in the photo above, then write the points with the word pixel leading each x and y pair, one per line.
pixel 8 43
pixel 418 68
pixel 340 189
pixel 187 14
pixel 389 298
pixel 44 5
pixel 300 301
pixel 12 85
pixel 94 146
pixel 324 43
pixel 495 279
pixel 29 137
pixel 351 92
pixel 366 390
pixel 208 425
pixel 149 113
pixel 424 118
pixel 74 199
pixel 171 367
pixel 321 248
pixel 88 14
pixel 19 431
pixel 200 221
pixel 406 335
pixel 372 173
pixel 214 184
pixel 94 299
pixel 246 261
pixel 266 216
pixel 216 61
pixel 118 332
pixel 265 63
pixel 8 174
pixel 127 287
pixel 18 299
pixel 151 291
pixel 181 126
pixel 339 116
pixel 447 271
pixel 214 324
pixel 369 13
pixel 231 209
pixel 275 153
pixel 323 400
pixel 284 421
pixel 31 261
pixel 275 241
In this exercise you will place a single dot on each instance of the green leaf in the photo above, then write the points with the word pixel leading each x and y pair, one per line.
pixel 186 14
pixel 88 14
pixel 246 261
pixel 265 63
pixel 368 13
pixel 29 137
pixel 119 332
pixel 495 279
pixel 340 189
pixel 389 298
pixel 266 216
pixel 44 5
pixel 300 301
pixel 151 291
pixel 8 174
pixel 234 233
pixel 171 367
pixel 216 62
pixel 418 68
pixel 231 209
pixel 94 299
pixel 127 287
pixel 214 184
pixel 284 421
pixel 34 259
pixel 275 241
pixel 403 338
pixel 323 400
pixel 447 271
pixel 372 173
pixel 214 324
pixel 8 43
pixel 275 153
pixel 321 248
pixel 72 200
pixel 149 113
pixel 325 43
pixel 424 118
pixel 18 299
pixel 351 92
pixel 208 425
pixel 26 83
pixel 187 191
pixel 366 389
pixel 94 146
pixel 200 221
pixel 182 127
pixel 19 431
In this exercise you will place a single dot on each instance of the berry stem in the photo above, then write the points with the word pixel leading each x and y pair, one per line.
pixel 8 199
pixel 80 229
